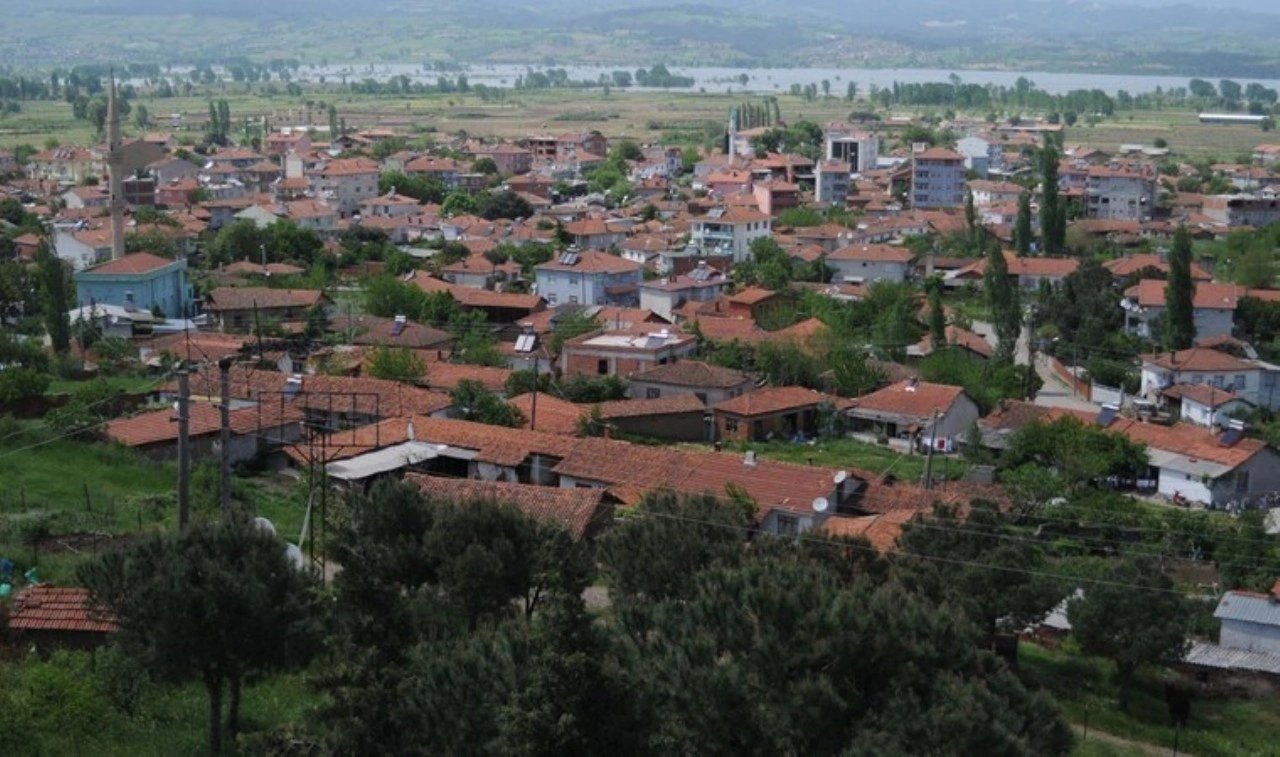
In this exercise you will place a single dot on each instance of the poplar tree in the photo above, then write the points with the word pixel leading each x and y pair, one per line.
pixel 1002 296
pixel 1053 230
pixel 1179 292
pixel 1022 233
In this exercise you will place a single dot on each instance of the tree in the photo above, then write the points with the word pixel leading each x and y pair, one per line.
pixel 988 575
pixel 1053 229
pixel 1179 294
pixel 486 166
pixel 396 364
pixel 971 221
pixel 1082 454
pixel 56 298
pixel 474 402
pixel 1022 234
pixel 222 604
pixel 1002 296
pixel 937 315
pixel 1133 616
pixel 568 325
pixel 141 117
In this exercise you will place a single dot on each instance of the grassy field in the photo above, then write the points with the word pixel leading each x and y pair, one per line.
pixel 127 384
pixel 1217 728
pixel 678 115
pixel 1181 129
pixel 850 453
pixel 85 497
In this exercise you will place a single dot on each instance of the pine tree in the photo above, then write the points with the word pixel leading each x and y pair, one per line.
pixel 1022 233
pixel 1006 310
pixel 1179 292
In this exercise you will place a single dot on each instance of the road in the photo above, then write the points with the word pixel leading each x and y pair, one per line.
pixel 1054 392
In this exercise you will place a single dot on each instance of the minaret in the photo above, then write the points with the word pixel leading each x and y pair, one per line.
pixel 115 170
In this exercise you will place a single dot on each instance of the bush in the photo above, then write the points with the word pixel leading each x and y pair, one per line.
pixel 18 384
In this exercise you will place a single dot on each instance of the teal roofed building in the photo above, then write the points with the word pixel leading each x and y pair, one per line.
pixel 139 281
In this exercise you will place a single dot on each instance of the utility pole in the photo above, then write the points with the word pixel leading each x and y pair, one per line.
pixel 533 403
pixel 928 458
pixel 184 450
pixel 224 459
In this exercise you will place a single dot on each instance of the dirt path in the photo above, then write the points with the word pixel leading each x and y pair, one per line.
pixel 1117 741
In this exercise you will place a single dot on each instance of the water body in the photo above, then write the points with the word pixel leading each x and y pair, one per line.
pixel 768 80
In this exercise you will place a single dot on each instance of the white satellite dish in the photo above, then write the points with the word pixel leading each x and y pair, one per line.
pixel 820 505
pixel 840 477
pixel 264 525
pixel 294 553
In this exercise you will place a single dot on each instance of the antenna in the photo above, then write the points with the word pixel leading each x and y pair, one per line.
pixel 820 505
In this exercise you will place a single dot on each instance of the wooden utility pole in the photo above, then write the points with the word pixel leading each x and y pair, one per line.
pixel 928 458
pixel 184 450
pixel 224 457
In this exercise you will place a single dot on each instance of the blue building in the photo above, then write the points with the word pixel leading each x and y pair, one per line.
pixel 142 281
pixel 590 278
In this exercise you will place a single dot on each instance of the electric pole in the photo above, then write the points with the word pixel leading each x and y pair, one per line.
pixel 184 450
pixel 928 458
pixel 224 459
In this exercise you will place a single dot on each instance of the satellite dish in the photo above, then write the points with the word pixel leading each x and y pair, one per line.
pixel 294 554
pixel 840 477
pixel 264 525
pixel 820 505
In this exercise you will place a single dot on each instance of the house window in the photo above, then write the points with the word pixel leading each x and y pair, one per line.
pixel 788 525
pixel 652 393
pixel 602 367
pixel 730 424
pixel 1242 481
pixel 702 397
pixel 573 299
pixel 1238 382
pixel 1217 381
pixel 551 298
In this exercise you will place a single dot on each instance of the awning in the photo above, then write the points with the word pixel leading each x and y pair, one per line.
pixel 382 461
pixel 1181 463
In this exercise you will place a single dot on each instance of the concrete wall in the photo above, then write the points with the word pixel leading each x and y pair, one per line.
pixel 1254 637
pixel 869 271
pixel 681 427
pixel 639 390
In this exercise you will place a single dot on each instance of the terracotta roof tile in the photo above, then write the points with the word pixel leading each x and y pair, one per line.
pixel 138 262
pixel 160 426
pixel 770 400
pixel 914 399
pixel 247 298
pixel 578 510
pixel 639 408
pixel 48 608
pixel 694 374
pixel 553 416
pixel 1198 359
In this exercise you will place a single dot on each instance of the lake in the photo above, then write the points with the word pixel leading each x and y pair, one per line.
pixel 766 80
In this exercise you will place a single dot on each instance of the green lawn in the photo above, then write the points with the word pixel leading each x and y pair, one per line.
pixel 1083 686
pixel 850 453
pixel 128 384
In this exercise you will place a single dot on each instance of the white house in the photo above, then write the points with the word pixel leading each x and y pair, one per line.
pixel 1250 381
pixel 731 229
pixel 980 155
pixel 859 149
pixel 988 193
pixel 936 414
pixel 346 182
pixel 1214 307
pixel 589 278
pixel 1248 634
pixel 664 296
pixel 1120 192
pixel 865 263
pixel 1204 404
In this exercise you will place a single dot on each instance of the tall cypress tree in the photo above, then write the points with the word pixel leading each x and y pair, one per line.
pixel 971 220
pixel 1022 233
pixel 1179 293
pixel 937 316
pixel 1053 231
pixel 57 297
pixel 1002 296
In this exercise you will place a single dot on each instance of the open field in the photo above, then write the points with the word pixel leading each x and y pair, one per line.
pixel 1084 689
pixel 676 116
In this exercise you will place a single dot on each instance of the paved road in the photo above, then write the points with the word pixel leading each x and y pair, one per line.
pixel 1055 392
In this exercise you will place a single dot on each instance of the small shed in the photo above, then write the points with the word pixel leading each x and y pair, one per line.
pixel 59 618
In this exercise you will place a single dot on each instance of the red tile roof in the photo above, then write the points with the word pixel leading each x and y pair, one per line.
pixel 48 608
pixel 161 426
pixel 694 374
pixel 1198 359
pixel 639 408
pixel 553 416
pixel 578 510
pixel 1205 394
pixel 1131 264
pixel 881 529
pixel 138 262
pixel 961 338
pixel 594 261
pixel 914 399
pixel 1150 293
pixel 878 253
pixel 770 400
pixel 247 298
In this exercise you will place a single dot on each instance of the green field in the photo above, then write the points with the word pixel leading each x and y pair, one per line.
pixel 850 453
pixel 1217 728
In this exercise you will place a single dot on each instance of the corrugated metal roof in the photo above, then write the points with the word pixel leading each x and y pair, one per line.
pixel 1214 656
pixel 1251 608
